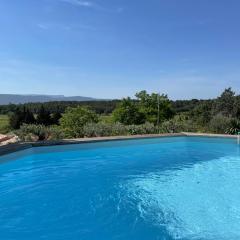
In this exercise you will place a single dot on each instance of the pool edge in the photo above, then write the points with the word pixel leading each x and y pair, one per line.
pixel 15 147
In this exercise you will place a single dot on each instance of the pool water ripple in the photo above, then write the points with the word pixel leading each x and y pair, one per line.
pixel 152 189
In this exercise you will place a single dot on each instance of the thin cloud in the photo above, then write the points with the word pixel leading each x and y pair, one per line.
pixel 65 27
pixel 80 3
pixel 93 5
pixel 43 26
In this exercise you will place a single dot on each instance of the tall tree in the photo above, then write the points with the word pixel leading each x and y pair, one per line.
pixel 154 106
pixel 20 116
pixel 127 112
pixel 55 118
pixel 224 104
pixel 44 117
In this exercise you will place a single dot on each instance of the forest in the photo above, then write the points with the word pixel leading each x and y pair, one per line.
pixel 147 113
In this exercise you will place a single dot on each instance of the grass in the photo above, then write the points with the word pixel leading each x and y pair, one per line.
pixel 4 124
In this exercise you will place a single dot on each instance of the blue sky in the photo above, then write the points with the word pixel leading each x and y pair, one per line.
pixel 113 48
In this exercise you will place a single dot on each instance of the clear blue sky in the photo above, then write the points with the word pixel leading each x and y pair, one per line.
pixel 113 48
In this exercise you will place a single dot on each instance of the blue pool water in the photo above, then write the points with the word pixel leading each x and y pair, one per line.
pixel 152 189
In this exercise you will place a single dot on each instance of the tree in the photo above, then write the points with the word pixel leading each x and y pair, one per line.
pixel 19 117
pixel 202 113
pixel 15 119
pixel 74 120
pixel 224 104
pixel 128 113
pixel 149 105
pixel 236 107
pixel 28 117
pixel 55 118
pixel 44 117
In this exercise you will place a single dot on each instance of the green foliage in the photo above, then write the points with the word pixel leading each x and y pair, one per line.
pixel 183 106
pixel 147 108
pixel 55 118
pixel 106 119
pixel 100 106
pixel 202 113
pixel 4 124
pixel 236 107
pixel 147 128
pixel 225 103
pixel 19 117
pixel 104 129
pixel 148 105
pixel 219 124
pixel 117 129
pixel 127 112
pixel 44 117
pixel 129 116
pixel 31 132
pixel 234 127
pixel 74 120
pixel 180 123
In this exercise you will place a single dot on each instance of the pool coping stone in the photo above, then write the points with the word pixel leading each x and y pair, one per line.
pixel 14 147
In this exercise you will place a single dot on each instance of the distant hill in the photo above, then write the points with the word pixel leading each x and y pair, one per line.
pixel 17 99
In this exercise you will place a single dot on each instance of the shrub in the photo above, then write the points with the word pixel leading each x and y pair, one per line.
pixel 31 132
pixel 104 129
pixel 117 129
pixel 177 124
pixel 55 133
pixel 147 128
pixel 74 120
pixel 219 124
pixel 234 127
pixel 97 129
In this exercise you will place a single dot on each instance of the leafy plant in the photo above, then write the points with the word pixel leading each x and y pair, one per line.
pixel 147 128
pixel 74 120
pixel 234 127
pixel 19 117
pixel 104 129
pixel 180 123
pixel 32 132
pixel 127 112
pixel 219 124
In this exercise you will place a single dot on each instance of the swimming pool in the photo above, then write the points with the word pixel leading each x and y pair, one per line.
pixel 147 189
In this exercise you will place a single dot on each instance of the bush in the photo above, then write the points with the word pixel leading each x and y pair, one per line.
pixel 117 129
pixel 31 132
pixel 234 127
pixel 97 129
pixel 147 128
pixel 219 124
pixel 178 124
pixel 74 120
pixel 104 129
pixel 55 133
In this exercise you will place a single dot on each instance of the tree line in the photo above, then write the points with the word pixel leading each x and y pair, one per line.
pixel 147 112
pixel 100 107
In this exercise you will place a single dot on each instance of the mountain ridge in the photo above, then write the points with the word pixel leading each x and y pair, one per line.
pixel 34 98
